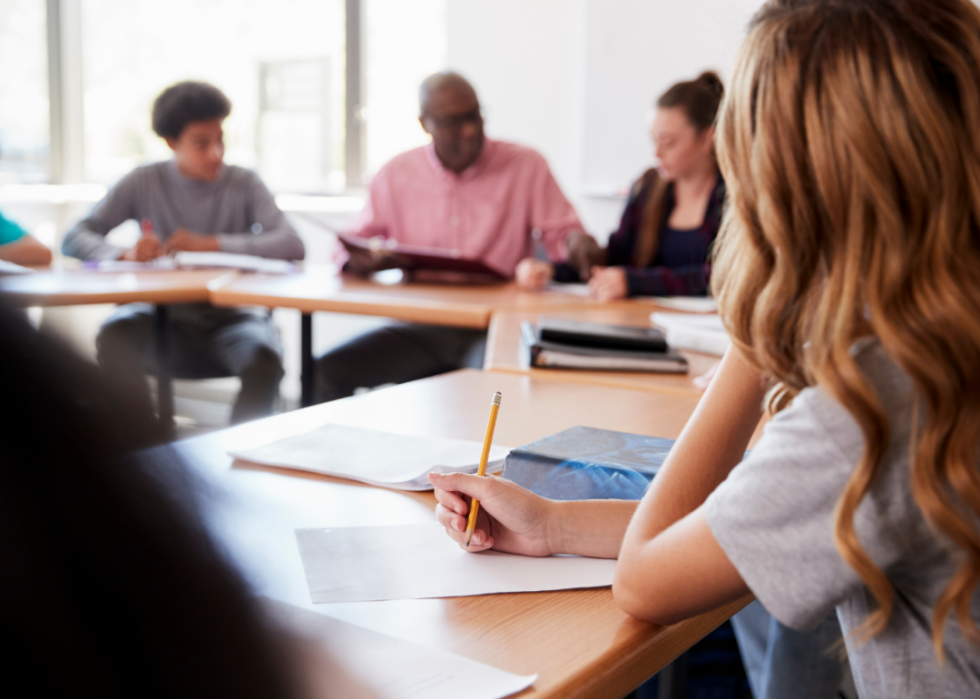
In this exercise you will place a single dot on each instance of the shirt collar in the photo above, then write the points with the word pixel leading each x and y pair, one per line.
pixel 469 173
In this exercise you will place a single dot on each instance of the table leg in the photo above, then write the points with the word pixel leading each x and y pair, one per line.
pixel 673 679
pixel 165 390
pixel 307 378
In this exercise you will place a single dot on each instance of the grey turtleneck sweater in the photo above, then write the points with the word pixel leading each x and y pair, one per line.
pixel 237 208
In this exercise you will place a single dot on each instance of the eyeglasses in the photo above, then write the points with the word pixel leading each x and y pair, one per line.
pixel 456 122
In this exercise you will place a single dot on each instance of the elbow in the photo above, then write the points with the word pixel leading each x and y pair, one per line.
pixel 638 594
pixel 43 256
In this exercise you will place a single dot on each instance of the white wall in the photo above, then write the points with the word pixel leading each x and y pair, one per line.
pixel 524 58
pixel 576 78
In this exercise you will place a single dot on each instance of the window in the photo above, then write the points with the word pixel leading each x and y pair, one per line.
pixel 281 64
pixel 404 43
pixel 24 140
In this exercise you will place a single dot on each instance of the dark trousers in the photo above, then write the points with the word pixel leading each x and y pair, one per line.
pixel 206 342
pixel 396 353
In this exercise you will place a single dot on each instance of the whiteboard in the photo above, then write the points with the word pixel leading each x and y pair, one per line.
pixel 635 50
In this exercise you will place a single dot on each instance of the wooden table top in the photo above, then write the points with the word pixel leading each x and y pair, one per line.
pixel 506 351
pixel 70 287
pixel 577 641
pixel 320 288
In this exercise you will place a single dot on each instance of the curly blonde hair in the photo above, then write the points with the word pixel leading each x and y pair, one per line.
pixel 850 143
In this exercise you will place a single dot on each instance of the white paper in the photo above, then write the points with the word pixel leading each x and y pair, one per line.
pixel 415 561
pixel 11 268
pixel 363 664
pixel 701 333
pixel 248 263
pixel 571 289
pixel 688 304
pixel 377 458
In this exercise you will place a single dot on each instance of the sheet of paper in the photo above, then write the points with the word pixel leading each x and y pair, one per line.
pixel 248 263
pixel 359 564
pixel 371 456
pixel 688 304
pixel 361 664
pixel 11 268
pixel 571 289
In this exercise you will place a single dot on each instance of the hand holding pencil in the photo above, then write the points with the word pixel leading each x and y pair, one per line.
pixel 487 441
pixel 501 515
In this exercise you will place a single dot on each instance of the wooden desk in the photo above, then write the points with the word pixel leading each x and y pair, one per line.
pixel 320 288
pixel 506 352
pixel 578 641
pixel 75 287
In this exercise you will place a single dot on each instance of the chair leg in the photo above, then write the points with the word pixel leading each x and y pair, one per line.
pixel 165 390
pixel 307 378
pixel 673 679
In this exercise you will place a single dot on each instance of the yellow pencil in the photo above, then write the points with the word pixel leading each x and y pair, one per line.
pixel 475 505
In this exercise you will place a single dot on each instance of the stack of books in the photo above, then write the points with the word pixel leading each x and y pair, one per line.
pixel 570 344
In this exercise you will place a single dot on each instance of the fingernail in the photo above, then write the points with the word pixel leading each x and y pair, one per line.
pixel 458 510
pixel 457 526
pixel 477 538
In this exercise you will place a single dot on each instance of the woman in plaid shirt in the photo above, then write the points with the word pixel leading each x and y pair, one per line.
pixel 673 214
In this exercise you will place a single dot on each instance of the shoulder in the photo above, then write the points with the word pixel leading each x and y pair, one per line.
pixel 644 183
pixel 238 176
pixel 144 173
pixel 507 153
pixel 407 161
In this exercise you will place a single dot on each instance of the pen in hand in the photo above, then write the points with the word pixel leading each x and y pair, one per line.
pixel 484 457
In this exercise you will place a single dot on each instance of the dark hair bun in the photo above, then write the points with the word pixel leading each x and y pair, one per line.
pixel 710 80
pixel 699 98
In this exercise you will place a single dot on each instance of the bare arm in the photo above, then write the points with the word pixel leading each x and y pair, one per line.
pixel 514 519
pixel 670 566
pixel 26 251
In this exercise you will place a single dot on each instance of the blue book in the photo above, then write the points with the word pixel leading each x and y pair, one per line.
pixel 583 463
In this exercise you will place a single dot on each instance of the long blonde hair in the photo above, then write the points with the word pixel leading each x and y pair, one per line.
pixel 850 144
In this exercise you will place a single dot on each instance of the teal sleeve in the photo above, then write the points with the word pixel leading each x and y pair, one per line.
pixel 10 231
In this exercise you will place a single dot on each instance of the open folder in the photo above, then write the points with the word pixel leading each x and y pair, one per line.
pixel 377 458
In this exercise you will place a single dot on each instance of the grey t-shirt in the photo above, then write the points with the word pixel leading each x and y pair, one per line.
pixel 774 518
pixel 238 208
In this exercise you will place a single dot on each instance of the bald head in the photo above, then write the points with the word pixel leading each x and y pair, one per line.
pixel 443 86
pixel 449 111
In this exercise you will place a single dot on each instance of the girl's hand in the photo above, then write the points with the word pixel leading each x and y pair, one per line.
pixel 608 283
pixel 511 518
pixel 534 274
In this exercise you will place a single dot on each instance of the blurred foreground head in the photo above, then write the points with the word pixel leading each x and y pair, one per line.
pixel 110 584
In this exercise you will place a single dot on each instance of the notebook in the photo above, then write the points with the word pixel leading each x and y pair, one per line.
pixel 417 257
pixel 701 333
pixel 585 462
pixel 546 354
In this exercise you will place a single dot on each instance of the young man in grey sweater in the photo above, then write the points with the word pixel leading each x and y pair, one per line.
pixel 192 202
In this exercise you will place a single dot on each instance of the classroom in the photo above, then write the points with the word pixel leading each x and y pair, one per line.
pixel 589 349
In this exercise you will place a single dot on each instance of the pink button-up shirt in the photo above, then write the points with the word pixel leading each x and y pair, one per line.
pixel 487 212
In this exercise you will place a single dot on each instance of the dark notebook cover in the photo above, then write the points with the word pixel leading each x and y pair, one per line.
pixel 417 257
pixel 584 463
pixel 544 354
pixel 601 335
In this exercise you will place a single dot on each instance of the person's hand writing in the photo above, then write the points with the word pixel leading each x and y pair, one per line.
pixel 148 248
pixel 183 239
pixel 534 274
pixel 608 283
pixel 511 518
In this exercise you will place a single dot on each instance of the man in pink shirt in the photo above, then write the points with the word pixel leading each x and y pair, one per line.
pixel 461 192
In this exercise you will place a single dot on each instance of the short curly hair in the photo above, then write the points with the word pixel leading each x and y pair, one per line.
pixel 187 101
